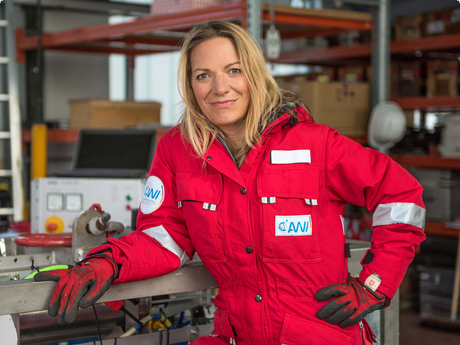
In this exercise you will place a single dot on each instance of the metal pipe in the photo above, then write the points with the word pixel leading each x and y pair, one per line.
pixel 130 60
pixel 115 226
pixel 381 54
pixel 383 50
pixel 254 11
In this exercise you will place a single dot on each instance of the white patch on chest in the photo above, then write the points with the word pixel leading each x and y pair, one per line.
pixel 290 157
pixel 293 225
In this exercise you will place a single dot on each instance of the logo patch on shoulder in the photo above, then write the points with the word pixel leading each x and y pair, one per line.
pixel 153 195
pixel 293 225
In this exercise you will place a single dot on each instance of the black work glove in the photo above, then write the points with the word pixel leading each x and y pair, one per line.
pixel 352 303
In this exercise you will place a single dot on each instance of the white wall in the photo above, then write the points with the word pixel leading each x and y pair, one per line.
pixel 154 80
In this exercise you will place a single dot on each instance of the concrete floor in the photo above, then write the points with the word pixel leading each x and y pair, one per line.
pixel 416 331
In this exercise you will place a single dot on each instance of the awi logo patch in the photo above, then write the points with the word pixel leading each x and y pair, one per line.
pixel 153 195
pixel 293 225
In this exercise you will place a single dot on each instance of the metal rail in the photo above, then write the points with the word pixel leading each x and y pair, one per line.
pixel 26 296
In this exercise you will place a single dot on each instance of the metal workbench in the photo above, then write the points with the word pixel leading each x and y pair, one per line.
pixel 28 296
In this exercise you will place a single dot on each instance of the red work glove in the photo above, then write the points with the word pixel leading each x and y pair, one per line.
pixel 353 302
pixel 80 286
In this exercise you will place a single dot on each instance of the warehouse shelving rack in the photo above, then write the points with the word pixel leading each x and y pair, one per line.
pixel 136 37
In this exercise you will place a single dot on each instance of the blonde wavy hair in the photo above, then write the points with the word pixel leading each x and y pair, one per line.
pixel 266 97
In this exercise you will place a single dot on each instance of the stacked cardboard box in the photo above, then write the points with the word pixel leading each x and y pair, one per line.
pixel 442 78
pixel 351 74
pixel 407 79
pixel 408 28
pixel 442 22
pixel 446 21
pixel 102 113
pixel 343 106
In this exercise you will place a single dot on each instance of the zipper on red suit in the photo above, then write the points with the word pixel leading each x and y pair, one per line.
pixel 361 327
pixel 221 140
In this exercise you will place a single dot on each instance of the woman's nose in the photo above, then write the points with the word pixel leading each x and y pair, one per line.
pixel 220 85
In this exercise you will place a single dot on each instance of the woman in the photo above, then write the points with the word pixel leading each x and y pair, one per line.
pixel 258 189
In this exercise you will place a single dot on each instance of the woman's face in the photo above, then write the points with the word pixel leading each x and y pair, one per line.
pixel 219 85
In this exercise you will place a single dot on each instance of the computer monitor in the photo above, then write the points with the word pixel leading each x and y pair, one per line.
pixel 107 152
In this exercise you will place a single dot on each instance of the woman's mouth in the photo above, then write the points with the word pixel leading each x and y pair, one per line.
pixel 223 104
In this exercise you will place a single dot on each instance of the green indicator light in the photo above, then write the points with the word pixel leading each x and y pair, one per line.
pixel 128 198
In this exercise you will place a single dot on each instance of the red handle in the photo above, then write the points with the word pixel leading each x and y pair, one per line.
pixel 44 240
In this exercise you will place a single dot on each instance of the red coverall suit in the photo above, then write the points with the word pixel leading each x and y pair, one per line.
pixel 271 232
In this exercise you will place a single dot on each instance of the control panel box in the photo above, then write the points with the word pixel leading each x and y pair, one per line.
pixel 56 201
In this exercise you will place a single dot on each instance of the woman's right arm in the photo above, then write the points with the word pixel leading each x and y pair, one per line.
pixel 161 242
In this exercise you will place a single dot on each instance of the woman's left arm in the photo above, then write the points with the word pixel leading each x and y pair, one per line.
pixel 366 177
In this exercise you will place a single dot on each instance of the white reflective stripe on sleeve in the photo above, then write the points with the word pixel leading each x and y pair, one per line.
pixel 399 213
pixel 210 207
pixel 160 234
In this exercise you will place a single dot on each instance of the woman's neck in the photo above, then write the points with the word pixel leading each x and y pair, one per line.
pixel 234 137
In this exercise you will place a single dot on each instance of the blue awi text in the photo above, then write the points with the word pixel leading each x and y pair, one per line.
pixel 149 193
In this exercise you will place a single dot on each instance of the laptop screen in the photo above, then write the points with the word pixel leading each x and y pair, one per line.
pixel 127 150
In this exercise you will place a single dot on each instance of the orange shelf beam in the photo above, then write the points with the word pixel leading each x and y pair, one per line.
pixel 426 44
pixel 440 229
pixel 55 135
pixel 424 103
pixel 320 55
pixel 227 11
pixel 299 19
pixel 360 140
pixel 427 161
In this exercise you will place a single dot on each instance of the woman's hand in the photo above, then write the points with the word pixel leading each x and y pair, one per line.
pixel 352 302
pixel 80 286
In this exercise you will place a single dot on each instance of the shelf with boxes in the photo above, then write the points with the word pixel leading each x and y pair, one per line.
pixel 164 30
pixel 339 55
pixel 440 179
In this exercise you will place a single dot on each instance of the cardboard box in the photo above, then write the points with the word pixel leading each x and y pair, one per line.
pixel 103 113
pixel 321 74
pixel 351 74
pixel 343 106
pixel 392 78
pixel 407 79
pixel 162 7
pixel 442 78
pixel 408 28
pixel 442 22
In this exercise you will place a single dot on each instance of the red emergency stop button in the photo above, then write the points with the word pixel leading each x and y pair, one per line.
pixel 54 224
pixel 128 208
pixel 51 227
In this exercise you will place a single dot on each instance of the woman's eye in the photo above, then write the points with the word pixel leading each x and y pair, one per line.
pixel 235 71
pixel 201 76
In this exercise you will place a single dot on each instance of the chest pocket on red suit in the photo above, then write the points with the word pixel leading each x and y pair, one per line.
pixel 289 201
pixel 199 195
